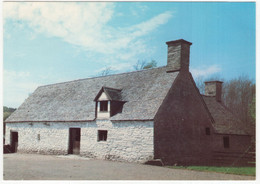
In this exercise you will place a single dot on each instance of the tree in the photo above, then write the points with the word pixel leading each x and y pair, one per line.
pixel 142 65
pixel 237 94
pixel 151 64
pixel 106 71
pixel 252 110
pixel 139 65
pixel 200 82
pixel 7 112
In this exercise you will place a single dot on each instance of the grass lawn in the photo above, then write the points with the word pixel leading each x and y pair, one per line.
pixel 250 171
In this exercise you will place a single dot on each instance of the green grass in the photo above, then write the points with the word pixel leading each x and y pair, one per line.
pixel 250 171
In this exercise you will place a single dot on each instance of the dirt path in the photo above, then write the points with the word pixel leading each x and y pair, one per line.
pixel 49 167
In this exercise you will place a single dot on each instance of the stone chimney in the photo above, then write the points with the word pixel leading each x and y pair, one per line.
pixel 214 88
pixel 178 55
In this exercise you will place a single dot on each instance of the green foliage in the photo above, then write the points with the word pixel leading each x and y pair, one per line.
pixel 7 112
pixel 250 171
pixel 6 115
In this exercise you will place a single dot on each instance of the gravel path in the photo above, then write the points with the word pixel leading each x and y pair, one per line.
pixel 71 167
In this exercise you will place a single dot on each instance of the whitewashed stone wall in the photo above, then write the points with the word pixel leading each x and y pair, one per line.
pixel 130 141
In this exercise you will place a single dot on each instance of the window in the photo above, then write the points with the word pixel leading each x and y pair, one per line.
pixel 102 135
pixel 103 106
pixel 226 142
pixel 207 131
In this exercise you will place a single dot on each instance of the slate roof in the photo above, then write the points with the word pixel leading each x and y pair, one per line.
pixel 112 94
pixel 225 122
pixel 143 91
pixel 71 101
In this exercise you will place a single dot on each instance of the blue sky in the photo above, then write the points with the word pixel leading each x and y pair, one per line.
pixel 48 42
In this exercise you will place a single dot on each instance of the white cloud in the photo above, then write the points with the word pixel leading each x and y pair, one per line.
pixel 147 26
pixel 205 71
pixel 82 24
pixel 76 23
pixel 139 9
pixel 13 74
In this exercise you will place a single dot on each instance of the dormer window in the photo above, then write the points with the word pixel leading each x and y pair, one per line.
pixel 108 102
pixel 103 106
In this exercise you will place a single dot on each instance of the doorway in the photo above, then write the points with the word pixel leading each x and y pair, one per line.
pixel 74 141
pixel 14 141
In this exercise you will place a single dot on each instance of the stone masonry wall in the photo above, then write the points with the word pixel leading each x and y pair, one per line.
pixel 178 56
pixel 214 88
pixel 130 141
pixel 180 125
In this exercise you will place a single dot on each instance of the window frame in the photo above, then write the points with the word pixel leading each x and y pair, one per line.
pixel 102 135
pixel 207 131
pixel 226 142
pixel 103 106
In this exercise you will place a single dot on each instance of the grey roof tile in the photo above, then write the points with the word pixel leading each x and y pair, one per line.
pixel 225 121
pixel 143 92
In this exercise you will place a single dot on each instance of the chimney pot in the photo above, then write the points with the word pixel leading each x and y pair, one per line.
pixel 178 55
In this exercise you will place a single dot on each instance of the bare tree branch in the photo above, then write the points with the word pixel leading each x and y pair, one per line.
pixel 106 71
pixel 141 65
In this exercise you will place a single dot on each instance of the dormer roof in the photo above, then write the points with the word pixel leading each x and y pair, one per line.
pixel 112 94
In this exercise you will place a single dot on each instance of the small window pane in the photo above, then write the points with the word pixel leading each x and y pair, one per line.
pixel 207 131
pixel 226 142
pixel 103 106
pixel 102 135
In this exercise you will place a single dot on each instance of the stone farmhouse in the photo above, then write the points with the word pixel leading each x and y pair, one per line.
pixel 137 116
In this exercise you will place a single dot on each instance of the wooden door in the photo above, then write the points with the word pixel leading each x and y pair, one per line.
pixel 14 141
pixel 74 141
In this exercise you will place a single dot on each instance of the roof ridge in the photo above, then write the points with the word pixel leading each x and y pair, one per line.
pixel 112 88
pixel 145 70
